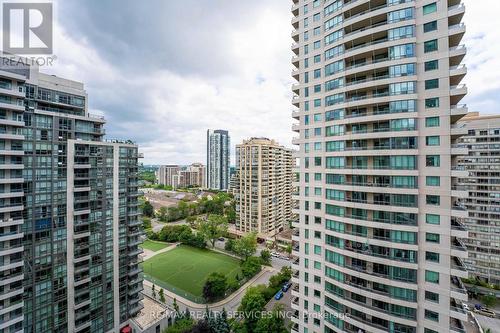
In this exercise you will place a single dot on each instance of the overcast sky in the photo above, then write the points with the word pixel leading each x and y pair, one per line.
pixel 164 71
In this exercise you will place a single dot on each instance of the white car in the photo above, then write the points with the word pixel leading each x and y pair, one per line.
pixel 465 307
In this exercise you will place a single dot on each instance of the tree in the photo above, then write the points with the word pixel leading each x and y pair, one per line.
pixel 162 295
pixel 229 245
pixel 252 304
pixel 147 209
pixel 489 300
pixel 162 214
pixel 176 307
pixel 146 223
pixel 289 249
pixel 246 245
pixel 265 255
pixel 231 214
pixel 273 323
pixel 153 293
pixel 181 326
pixel 215 287
pixel 221 323
pixel 214 227
pixel 251 266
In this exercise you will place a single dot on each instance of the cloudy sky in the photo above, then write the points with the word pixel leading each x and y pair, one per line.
pixel 164 71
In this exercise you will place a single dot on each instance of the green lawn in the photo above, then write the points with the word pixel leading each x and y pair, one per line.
pixel 153 245
pixel 186 268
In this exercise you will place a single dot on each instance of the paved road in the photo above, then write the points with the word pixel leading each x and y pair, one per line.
pixel 486 322
pixel 286 301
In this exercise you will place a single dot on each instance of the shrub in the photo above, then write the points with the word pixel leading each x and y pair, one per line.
pixel 251 266
pixel 215 287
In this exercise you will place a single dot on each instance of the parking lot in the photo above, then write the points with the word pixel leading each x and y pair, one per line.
pixel 286 300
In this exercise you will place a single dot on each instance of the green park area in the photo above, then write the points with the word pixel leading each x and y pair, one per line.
pixel 185 269
pixel 153 245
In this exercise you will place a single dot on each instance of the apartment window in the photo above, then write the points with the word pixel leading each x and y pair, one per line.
pixel 433 200
pixel 317 31
pixel 317 73
pixel 317 88
pixel 306 35
pixel 316 17
pixel 317 234
pixel 431 84
pixel 306 22
pixel 317 102
pixel 317 205
pixel 431 276
pixel 431 315
pixel 317 45
pixel 433 181
pixel 317 161
pixel 427 330
pixel 432 256
pixel 317 131
pixel 430 8
pixel 431 237
pixel 432 103
pixel 432 219
pixel 432 140
pixel 432 160
pixel 432 122
pixel 306 49
pixel 306 63
pixel 430 46
pixel 431 65
pixel 317 191
pixel 433 297
pixel 430 26
pixel 306 77
pixel 317 177
pixel 306 92
pixel 317 265
pixel 317 58
pixel 317 249
pixel 316 3
pixel 306 9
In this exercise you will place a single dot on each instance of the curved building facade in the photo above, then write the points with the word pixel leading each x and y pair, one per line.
pixel 376 103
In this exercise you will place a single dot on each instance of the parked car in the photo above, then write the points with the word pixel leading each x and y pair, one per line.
pixel 478 306
pixel 274 254
pixel 279 295
pixel 221 239
pixel 465 307
pixel 485 312
pixel 286 286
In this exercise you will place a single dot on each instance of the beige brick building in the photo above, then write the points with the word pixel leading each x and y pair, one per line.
pixel 263 187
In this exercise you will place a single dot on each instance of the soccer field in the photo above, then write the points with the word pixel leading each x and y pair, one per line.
pixel 153 245
pixel 186 268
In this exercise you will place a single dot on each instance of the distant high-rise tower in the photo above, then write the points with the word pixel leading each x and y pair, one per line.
pixel 218 143
pixel 262 185
pixel 481 182
pixel 377 97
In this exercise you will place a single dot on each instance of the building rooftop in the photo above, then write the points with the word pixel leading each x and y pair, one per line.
pixel 152 312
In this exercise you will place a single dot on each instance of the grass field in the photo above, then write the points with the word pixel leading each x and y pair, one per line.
pixel 153 246
pixel 187 268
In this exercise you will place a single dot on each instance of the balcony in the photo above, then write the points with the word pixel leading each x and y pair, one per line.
pixel 459 149
pixel 458 111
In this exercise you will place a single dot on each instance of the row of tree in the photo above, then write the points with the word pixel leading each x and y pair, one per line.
pixel 178 233
pixel 210 323
pixel 216 204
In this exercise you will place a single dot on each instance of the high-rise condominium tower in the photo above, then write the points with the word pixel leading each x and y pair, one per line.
pixel 483 186
pixel 69 216
pixel 377 94
pixel 165 173
pixel 263 187
pixel 218 144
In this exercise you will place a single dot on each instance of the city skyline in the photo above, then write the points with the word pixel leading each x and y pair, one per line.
pixel 235 81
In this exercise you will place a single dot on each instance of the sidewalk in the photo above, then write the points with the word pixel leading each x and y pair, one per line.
pixel 221 303
pixel 150 254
